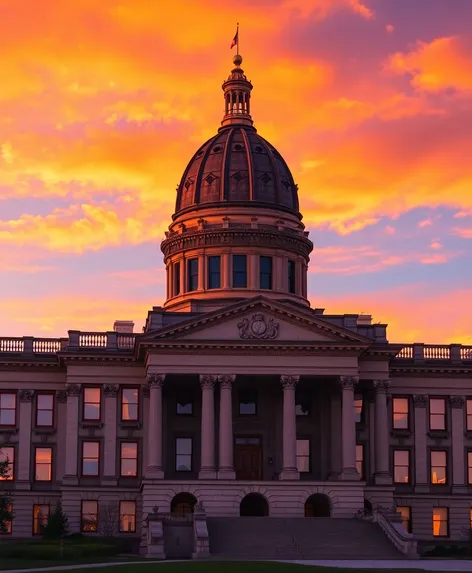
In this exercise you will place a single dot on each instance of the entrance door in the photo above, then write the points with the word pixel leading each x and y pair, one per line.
pixel 248 459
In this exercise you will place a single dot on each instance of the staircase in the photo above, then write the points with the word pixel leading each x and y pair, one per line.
pixel 297 538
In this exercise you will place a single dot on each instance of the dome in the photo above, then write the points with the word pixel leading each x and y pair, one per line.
pixel 237 166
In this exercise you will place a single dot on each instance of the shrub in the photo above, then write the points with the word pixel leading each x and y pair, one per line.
pixel 57 525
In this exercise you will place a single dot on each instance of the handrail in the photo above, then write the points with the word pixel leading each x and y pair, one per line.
pixel 394 530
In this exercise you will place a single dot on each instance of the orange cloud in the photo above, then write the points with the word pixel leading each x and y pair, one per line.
pixel 464 233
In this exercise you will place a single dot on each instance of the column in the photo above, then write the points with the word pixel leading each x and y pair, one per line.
pixel 183 274
pixel 207 465
pixel 155 468
pixel 278 274
pixel 289 449
pixel 382 474
pixel 61 422
pixel 335 436
pixel 226 270
pixel 24 446
pixel 201 272
pixel 109 467
pixel 72 433
pixel 225 466
pixel 253 274
pixel 349 471
pixel 458 452
pixel 420 457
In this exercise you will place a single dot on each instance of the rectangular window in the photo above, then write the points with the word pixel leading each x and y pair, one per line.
pixel 239 271
pixel 43 464
pixel 358 406
pixel 303 456
pixel 265 272
pixel 469 415
pixel 7 453
pixel 401 466
pixel 470 518
pixel 360 460
pixel 183 454
pixel 184 407
pixel 129 404
pixel 439 467
pixel 129 459
pixel 40 518
pixel 440 521
pixel 302 403
pixel 400 413
pixel 437 414
pixel 405 513
pixel 291 277
pixel 192 275
pixel 214 273
pixel 469 467
pixel 92 404
pixel 7 409
pixel 8 524
pixel 45 410
pixel 89 517
pixel 176 279
pixel 90 458
pixel 128 516
pixel 247 403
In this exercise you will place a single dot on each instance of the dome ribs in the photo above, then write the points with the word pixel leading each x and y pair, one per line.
pixel 225 183
pixel 201 169
pixel 250 165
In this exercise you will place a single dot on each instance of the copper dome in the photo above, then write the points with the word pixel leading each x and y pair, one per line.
pixel 237 166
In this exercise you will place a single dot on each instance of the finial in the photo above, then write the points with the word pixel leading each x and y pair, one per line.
pixel 237 60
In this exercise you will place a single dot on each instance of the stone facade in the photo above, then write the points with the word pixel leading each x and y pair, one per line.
pixel 236 386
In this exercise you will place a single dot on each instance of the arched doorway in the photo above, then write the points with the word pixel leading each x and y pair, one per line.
pixel 183 504
pixel 318 505
pixel 254 505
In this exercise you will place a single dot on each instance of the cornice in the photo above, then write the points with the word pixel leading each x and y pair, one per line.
pixel 102 360
pixel 423 369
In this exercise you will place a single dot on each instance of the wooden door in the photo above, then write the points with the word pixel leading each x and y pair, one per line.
pixel 248 462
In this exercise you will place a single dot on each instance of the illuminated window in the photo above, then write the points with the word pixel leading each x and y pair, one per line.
pixel 239 271
pixel 92 403
pixel 265 273
pixel 7 409
pixel 128 516
pixel 214 274
pixel 440 521
pixel 45 410
pixel 469 415
pixel 40 518
pixel 43 464
pixel 90 458
pixel 437 414
pixel 129 459
pixel 469 468
pixel 192 275
pixel 358 406
pixel 8 525
pixel 183 454
pixel 405 513
pixel 8 454
pixel 129 404
pixel 360 460
pixel 401 466
pixel 89 517
pixel 400 413
pixel 439 467
pixel 303 456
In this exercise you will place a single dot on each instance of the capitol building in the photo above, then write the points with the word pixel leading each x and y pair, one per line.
pixel 238 400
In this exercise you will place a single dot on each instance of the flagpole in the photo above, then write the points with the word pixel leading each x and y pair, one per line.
pixel 237 43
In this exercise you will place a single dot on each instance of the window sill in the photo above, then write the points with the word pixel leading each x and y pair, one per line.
pixel 91 424
pixel 43 430
pixel 401 433
pixel 130 424
pixel 439 434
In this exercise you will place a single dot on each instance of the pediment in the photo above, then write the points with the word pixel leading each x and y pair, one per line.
pixel 259 321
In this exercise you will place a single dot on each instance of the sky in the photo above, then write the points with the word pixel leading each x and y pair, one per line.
pixel 104 103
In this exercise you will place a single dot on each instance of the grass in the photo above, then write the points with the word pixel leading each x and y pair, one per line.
pixel 6 564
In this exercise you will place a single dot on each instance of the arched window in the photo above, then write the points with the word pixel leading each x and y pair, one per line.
pixel 183 504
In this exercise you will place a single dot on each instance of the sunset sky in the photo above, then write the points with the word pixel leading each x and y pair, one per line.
pixel 104 102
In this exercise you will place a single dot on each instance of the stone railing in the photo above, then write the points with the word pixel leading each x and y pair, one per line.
pixel 393 528
pixel 30 345
pixel 419 352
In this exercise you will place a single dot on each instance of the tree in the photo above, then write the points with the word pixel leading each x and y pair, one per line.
pixel 6 511
pixel 109 521
pixel 57 525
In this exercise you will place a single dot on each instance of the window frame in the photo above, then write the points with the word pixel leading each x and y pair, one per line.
pixel 361 473
pixel 121 514
pixel 177 438
pixel 82 503
pixel 299 396
pixel 467 415
pixel 15 409
pixel 441 521
pixel 36 464
pixel 269 274
pixel 52 410
pixel 84 402
pixel 211 274
pixel 394 466
pixel 292 277
pixel 122 444
pixel 179 400
pixel 249 393
pixel 303 439
pixel 408 411
pixel 138 405
pixel 358 397
pixel 176 283
pixel 11 464
pixel 37 530
pixel 82 459
pixel 469 468
pixel 409 527
pixel 446 467
pixel 192 275
pixel 437 398
pixel 235 273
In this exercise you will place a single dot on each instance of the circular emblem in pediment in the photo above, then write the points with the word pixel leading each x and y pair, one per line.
pixel 258 327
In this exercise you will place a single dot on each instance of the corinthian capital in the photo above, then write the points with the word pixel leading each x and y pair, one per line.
pixel 26 395
pixel 226 380
pixel 289 381
pixel 73 389
pixel 457 401
pixel 208 381
pixel 382 386
pixel 110 390
pixel 348 382
pixel 156 380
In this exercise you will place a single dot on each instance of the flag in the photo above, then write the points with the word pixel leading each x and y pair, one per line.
pixel 235 41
